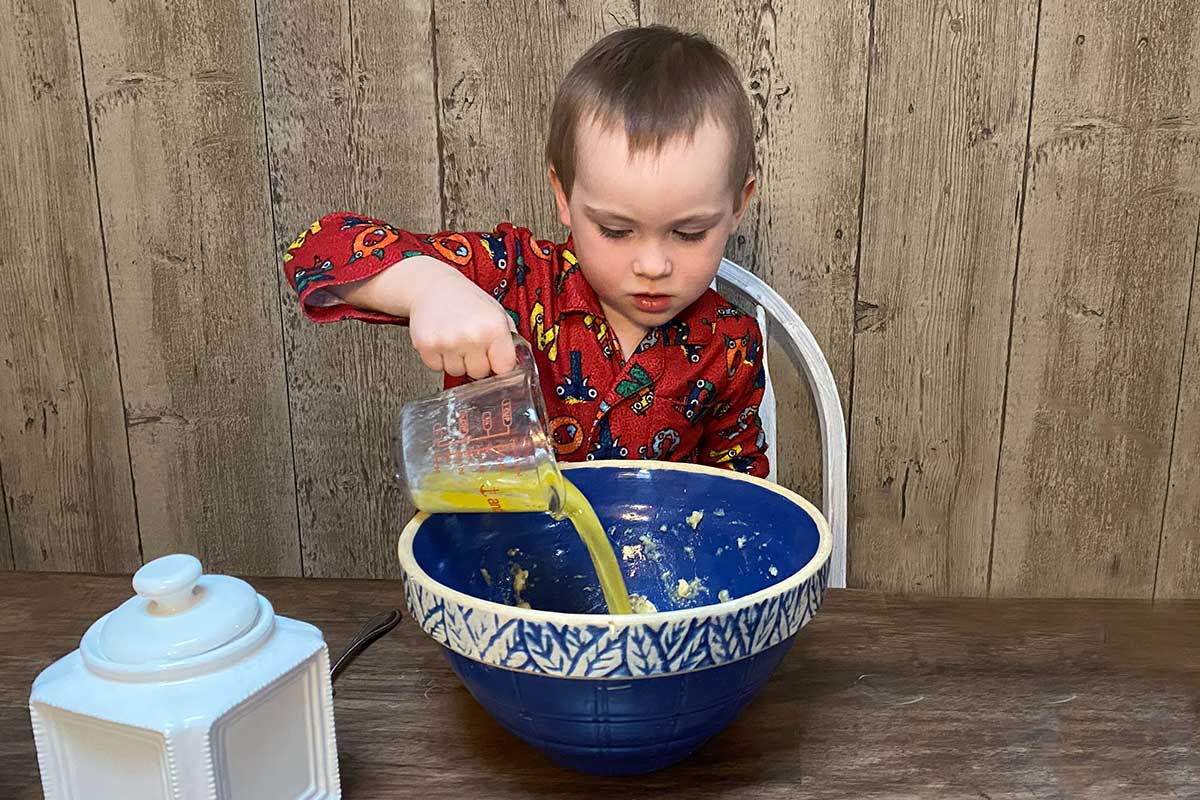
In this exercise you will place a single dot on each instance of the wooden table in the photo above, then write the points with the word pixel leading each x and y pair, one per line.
pixel 880 698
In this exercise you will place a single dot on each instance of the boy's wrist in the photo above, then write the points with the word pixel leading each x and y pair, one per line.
pixel 421 277
pixel 397 288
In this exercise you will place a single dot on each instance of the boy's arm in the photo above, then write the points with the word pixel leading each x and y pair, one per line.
pixel 447 287
pixel 330 263
pixel 734 437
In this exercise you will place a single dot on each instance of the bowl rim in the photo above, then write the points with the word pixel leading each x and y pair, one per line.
pixel 412 570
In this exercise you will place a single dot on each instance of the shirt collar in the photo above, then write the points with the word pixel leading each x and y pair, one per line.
pixel 575 294
pixel 681 341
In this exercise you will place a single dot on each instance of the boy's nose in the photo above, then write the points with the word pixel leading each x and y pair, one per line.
pixel 652 263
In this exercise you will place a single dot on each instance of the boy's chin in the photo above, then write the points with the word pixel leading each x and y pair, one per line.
pixel 654 319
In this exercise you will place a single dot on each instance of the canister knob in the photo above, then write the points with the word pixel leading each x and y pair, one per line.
pixel 170 582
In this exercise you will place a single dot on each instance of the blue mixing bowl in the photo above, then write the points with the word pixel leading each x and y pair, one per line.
pixel 734 565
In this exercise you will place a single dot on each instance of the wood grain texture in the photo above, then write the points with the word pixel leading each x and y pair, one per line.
pixel 946 133
pixel 1178 574
pixel 1102 298
pixel 805 70
pixel 499 64
pixel 1100 434
pixel 352 120
pixel 67 488
pixel 180 145
pixel 880 698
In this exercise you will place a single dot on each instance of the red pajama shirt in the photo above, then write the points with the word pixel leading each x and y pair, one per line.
pixel 690 392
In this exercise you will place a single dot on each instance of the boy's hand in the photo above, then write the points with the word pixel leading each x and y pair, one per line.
pixel 460 329
pixel 457 327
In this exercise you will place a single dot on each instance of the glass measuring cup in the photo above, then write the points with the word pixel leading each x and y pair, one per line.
pixel 480 447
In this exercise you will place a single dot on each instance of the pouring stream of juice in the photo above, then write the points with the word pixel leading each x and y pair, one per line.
pixel 523 492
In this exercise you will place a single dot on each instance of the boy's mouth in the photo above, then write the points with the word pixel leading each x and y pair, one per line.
pixel 652 303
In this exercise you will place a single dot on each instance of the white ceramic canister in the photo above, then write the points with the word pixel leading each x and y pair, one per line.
pixel 192 690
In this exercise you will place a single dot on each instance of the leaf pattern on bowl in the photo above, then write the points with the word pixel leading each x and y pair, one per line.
pixel 636 649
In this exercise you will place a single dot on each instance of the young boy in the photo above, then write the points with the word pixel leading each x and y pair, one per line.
pixel 651 159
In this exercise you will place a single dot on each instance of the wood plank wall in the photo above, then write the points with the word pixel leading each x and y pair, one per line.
pixel 1102 295
pixel 351 114
pixel 947 120
pixel 64 452
pixel 987 213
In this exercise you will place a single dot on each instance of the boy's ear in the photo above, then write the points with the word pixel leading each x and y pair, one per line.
pixel 560 197
pixel 744 198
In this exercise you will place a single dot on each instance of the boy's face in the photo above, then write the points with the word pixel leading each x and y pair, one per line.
pixel 650 228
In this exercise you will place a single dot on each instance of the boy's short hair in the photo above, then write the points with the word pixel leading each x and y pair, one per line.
pixel 661 84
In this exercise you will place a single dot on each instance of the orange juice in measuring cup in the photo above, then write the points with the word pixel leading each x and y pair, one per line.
pixel 481 446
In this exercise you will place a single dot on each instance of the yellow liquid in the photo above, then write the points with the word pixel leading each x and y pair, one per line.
pixel 511 491
pixel 604 560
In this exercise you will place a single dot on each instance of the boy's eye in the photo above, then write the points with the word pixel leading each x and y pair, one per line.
pixel 691 236
pixel 612 234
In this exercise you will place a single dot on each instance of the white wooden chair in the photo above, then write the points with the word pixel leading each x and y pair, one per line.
pixel 779 320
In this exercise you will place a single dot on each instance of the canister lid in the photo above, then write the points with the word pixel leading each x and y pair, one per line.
pixel 178 617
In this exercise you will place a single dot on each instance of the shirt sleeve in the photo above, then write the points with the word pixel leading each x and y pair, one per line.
pixel 342 248
pixel 733 436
